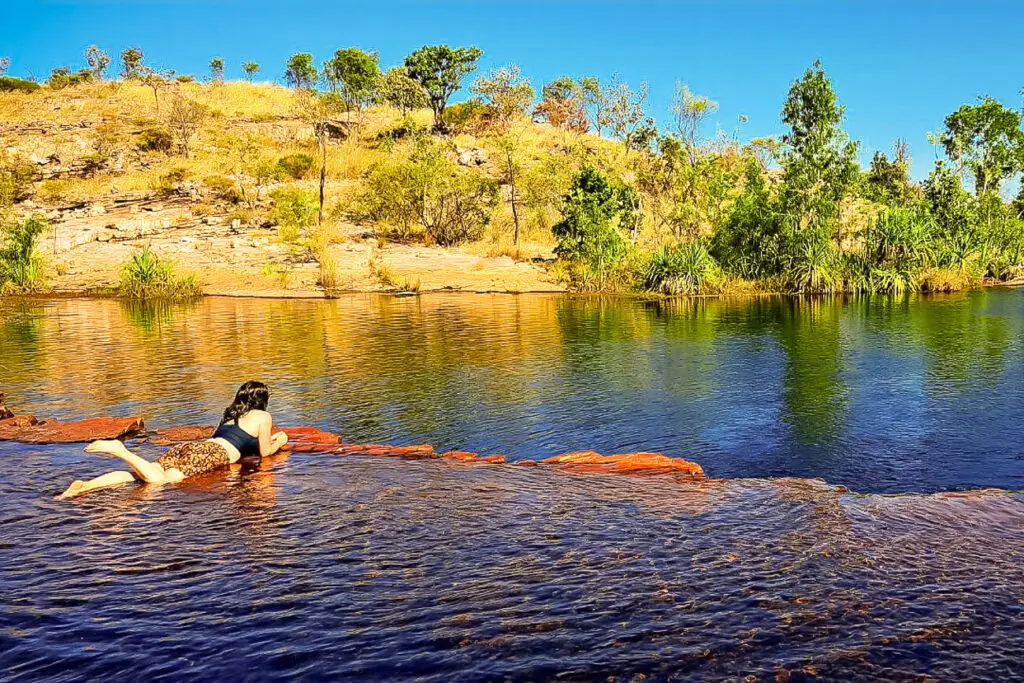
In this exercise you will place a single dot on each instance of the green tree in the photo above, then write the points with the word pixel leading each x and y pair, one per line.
pixel 217 69
pixel 356 73
pixel 986 140
pixel 250 69
pixel 300 73
pixel 819 161
pixel 440 70
pixel 888 181
pixel 131 63
pixel 588 234
pixel 507 93
pixel 400 91
pixel 956 218
pixel 98 61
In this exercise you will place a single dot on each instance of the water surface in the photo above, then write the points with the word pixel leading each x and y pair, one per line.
pixel 326 566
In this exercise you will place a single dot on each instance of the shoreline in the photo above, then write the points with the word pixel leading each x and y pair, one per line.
pixel 323 295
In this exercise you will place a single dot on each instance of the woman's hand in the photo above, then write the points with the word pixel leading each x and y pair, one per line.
pixel 278 441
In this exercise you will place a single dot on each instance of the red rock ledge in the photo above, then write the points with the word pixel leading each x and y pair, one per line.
pixel 27 429
pixel 626 463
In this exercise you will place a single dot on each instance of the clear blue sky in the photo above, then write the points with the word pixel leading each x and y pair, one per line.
pixel 899 67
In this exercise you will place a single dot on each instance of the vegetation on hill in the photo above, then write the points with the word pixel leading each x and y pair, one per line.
pixel 662 209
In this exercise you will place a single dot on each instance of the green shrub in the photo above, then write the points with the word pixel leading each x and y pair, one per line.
pixel 155 138
pixel 145 275
pixel 682 269
pixel 16 177
pixel 20 265
pixel 9 84
pixel 457 209
pixel 813 265
pixel 186 78
pixel 223 188
pixel 167 183
pixel 588 234
pixel 295 210
pixel 427 191
pixel 62 77
pixel 296 166
pixel 467 116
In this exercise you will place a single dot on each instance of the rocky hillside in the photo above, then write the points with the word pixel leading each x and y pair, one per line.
pixel 224 191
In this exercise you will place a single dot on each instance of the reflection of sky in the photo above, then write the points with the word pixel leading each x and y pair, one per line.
pixel 878 394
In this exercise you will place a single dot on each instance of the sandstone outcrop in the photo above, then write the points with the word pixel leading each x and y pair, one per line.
pixel 172 435
pixel 27 430
pixel 626 463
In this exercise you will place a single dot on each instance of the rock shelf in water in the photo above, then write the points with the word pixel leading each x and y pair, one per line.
pixel 27 429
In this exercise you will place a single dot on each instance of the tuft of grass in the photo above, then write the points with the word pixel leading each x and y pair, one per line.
pixel 946 280
pixel 682 269
pixel 409 285
pixel 145 275
pixel 279 272
pixel 20 265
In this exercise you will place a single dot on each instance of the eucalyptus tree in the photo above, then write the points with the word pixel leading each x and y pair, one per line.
pixel 440 70
pixel 818 160
pixel 300 72
pixel 400 91
pixel 98 61
pixel 250 69
pixel 689 112
pixel 217 69
pixel 356 73
pixel 985 140
pixel 131 63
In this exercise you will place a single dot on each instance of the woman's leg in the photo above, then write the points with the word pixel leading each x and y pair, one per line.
pixel 149 472
pixel 79 487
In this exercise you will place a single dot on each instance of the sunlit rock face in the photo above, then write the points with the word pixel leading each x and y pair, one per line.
pixel 27 429
pixel 625 463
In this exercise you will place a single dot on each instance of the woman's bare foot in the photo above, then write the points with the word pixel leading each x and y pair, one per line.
pixel 75 489
pixel 109 447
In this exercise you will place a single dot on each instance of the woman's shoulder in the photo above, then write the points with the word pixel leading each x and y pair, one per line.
pixel 258 415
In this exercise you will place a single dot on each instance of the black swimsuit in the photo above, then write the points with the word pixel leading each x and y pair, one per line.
pixel 247 444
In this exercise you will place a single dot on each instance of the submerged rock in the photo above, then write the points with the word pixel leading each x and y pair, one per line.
pixel 172 435
pixel 27 430
pixel 626 463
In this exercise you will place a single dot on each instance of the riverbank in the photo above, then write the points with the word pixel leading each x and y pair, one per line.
pixel 89 245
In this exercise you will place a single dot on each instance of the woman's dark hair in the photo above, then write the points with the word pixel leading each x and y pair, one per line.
pixel 250 396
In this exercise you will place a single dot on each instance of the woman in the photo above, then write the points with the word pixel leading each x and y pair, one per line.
pixel 244 432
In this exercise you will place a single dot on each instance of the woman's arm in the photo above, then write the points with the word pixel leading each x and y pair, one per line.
pixel 270 443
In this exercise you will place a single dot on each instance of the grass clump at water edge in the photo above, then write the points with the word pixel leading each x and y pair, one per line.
pixel 21 268
pixel 145 275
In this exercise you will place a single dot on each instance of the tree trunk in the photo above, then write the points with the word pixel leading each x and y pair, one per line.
pixel 323 174
pixel 512 184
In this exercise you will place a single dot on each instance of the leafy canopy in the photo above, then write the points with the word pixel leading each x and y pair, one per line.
pixel 300 72
pixel 356 72
pixel 440 70
pixel 987 139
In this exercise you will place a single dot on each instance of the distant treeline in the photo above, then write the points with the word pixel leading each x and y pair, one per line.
pixel 659 208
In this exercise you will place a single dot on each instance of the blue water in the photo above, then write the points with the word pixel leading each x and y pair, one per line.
pixel 321 566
